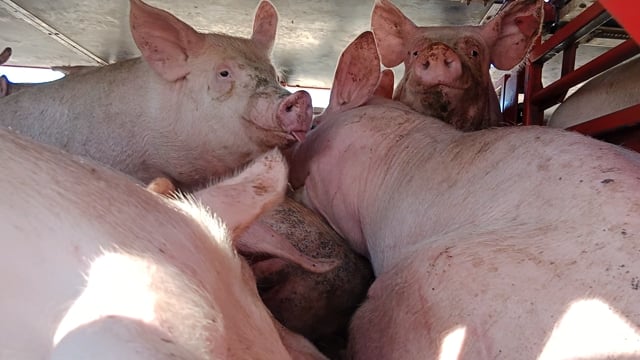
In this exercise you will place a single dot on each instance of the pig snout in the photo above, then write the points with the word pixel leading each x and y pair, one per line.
pixel 438 64
pixel 295 114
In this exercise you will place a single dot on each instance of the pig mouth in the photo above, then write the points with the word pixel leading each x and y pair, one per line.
pixel 291 136
pixel 444 86
pixel 297 135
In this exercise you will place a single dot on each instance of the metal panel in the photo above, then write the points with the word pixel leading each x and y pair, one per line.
pixel 32 47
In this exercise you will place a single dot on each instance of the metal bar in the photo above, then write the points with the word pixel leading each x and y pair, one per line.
pixel 513 84
pixel 581 25
pixel 547 97
pixel 532 114
pixel 626 14
pixel 568 65
pixel 20 13
pixel 625 117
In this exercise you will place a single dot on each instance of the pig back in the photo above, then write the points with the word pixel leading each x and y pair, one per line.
pixel 97 244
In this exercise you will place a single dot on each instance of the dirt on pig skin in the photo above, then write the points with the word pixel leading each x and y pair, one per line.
pixel 317 305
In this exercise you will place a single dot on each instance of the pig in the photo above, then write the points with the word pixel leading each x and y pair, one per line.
pixel 194 106
pixel 446 68
pixel 317 304
pixel 7 87
pixel 504 243
pixel 94 266
pixel 314 301
pixel 613 90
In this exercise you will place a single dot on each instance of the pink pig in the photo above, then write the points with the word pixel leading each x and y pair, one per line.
pixel 95 267
pixel 446 68
pixel 509 243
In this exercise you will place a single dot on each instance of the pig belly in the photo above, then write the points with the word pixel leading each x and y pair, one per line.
pixel 544 296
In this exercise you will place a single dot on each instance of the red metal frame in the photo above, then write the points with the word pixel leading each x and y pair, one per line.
pixel 538 98
pixel 625 117
pixel 626 14
pixel 549 96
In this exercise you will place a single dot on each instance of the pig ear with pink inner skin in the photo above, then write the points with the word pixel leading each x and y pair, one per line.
pixel 356 76
pixel 511 33
pixel 164 41
pixel 265 25
pixel 261 239
pixel 391 29
pixel 242 198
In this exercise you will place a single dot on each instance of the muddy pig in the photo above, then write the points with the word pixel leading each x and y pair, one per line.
pixel 446 68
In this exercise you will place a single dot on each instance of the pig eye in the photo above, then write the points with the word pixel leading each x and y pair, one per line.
pixel 474 53
pixel 415 53
pixel 224 73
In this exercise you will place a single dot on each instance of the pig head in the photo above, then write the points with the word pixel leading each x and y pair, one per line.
pixel 317 303
pixel 193 107
pixel 446 68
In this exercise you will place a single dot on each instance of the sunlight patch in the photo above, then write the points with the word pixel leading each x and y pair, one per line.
pixel 452 344
pixel 117 284
pixel 591 329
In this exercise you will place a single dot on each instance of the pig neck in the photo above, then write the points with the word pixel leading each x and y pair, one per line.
pixel 378 143
pixel 174 254
pixel 395 194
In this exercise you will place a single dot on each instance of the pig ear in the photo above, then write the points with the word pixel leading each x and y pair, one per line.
pixel 356 75
pixel 261 239
pixel 391 29
pixel 4 86
pixel 511 33
pixel 165 42
pixel 5 55
pixel 385 85
pixel 241 199
pixel 265 25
